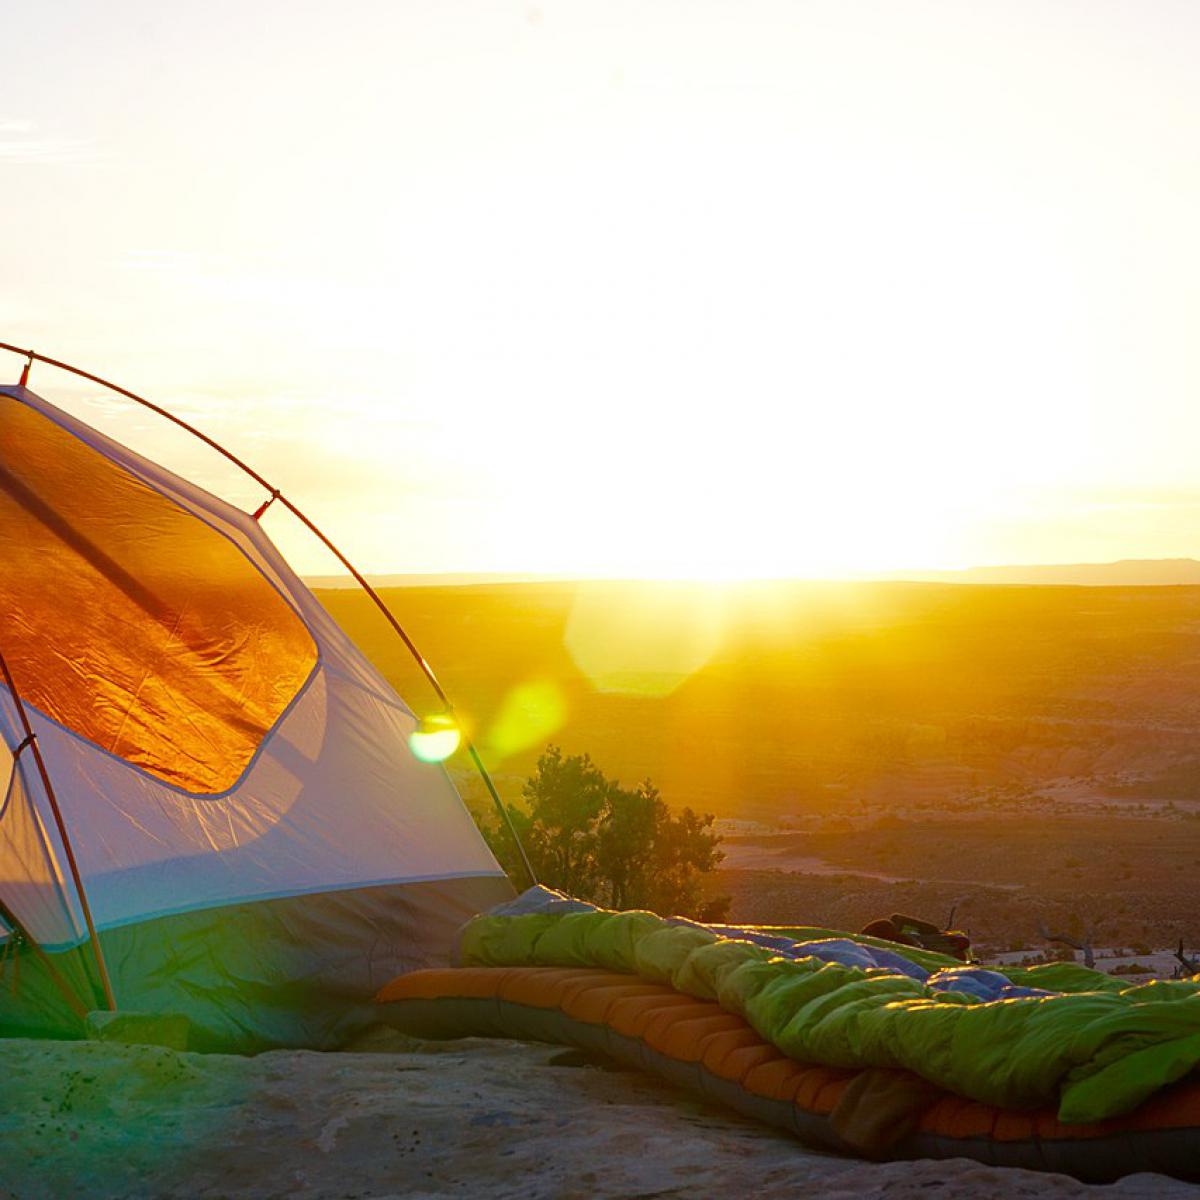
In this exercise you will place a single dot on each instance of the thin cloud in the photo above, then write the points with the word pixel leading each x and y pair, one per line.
pixel 41 151
pixel 163 260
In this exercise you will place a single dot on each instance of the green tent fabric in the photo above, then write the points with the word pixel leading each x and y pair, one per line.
pixel 1096 1048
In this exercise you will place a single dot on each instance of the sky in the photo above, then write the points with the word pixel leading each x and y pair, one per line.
pixel 652 289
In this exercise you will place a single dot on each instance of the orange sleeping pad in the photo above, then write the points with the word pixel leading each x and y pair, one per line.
pixel 872 1113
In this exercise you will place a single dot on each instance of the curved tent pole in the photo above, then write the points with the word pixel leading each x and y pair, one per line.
pixel 32 356
pixel 31 742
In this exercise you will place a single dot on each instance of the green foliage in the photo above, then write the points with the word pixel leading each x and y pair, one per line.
pixel 620 847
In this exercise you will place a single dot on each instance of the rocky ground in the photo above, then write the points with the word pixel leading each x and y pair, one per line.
pixel 1118 881
pixel 418 1120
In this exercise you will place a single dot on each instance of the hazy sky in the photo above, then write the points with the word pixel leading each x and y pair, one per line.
pixel 649 288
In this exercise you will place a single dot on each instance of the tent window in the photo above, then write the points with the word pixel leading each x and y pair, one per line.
pixel 131 621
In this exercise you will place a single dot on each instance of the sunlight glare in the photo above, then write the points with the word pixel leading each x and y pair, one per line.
pixel 805 293
pixel 663 636
pixel 435 739
pixel 530 713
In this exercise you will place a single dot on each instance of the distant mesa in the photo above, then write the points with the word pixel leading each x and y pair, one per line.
pixel 1129 572
pixel 444 579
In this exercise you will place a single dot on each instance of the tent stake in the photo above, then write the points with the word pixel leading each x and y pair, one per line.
pixel 31 741
pixel 426 669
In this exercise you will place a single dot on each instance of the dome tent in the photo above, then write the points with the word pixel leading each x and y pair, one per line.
pixel 209 806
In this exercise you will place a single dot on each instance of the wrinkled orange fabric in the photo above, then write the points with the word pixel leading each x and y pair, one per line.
pixel 131 621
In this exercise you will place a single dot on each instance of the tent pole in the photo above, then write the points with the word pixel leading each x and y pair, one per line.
pixel 32 743
pixel 426 669
pixel 468 744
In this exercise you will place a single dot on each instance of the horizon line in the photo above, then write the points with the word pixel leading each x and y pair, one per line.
pixel 1187 565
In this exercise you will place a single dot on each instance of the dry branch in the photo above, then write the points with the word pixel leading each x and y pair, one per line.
pixel 1084 944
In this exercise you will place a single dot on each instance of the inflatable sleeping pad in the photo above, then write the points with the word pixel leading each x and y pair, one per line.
pixel 843 1040
pixel 877 1113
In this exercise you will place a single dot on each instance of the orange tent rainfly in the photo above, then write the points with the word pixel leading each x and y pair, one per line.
pixel 205 787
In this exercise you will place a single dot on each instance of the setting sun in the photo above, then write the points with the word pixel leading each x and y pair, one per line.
pixel 554 289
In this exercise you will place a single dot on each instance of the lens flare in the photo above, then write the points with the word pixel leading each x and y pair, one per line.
pixel 530 713
pixel 646 643
pixel 435 739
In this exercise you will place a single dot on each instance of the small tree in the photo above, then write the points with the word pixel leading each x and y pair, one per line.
pixel 566 797
pixel 685 850
pixel 620 847
pixel 626 845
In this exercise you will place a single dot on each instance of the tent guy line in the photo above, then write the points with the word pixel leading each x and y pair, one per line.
pixel 274 493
